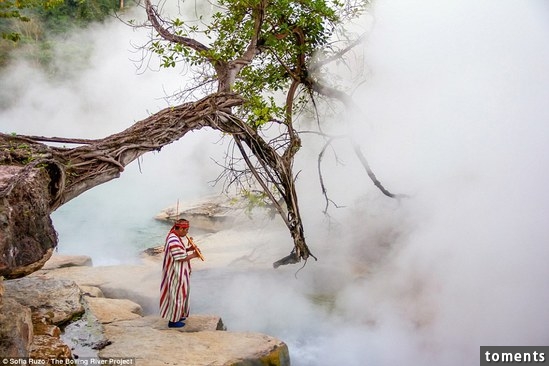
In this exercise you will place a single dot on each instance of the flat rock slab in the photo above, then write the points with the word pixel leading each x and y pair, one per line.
pixel 151 343
pixel 195 323
pixel 63 261
pixel 112 310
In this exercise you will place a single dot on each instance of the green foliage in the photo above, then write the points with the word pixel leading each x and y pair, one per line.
pixel 255 199
pixel 22 11
pixel 15 9
pixel 291 31
pixel 29 23
pixel 70 13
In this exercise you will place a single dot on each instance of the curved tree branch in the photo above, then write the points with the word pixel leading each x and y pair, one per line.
pixel 347 101
pixel 338 55
pixel 371 174
pixel 321 177
pixel 154 18
pixel 258 14
pixel 261 181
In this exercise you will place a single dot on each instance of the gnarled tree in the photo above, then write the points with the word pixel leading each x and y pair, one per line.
pixel 259 59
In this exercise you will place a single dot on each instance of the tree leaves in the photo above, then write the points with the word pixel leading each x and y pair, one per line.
pixel 289 36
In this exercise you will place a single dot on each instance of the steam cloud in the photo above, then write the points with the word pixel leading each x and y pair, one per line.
pixel 455 116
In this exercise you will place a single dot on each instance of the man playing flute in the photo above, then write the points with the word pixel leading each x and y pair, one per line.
pixel 176 274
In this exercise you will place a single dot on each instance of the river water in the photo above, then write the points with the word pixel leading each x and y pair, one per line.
pixel 237 281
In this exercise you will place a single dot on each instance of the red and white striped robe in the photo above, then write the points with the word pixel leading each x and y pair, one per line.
pixel 174 288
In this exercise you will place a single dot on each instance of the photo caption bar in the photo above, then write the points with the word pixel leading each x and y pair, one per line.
pixel 514 355
pixel 86 361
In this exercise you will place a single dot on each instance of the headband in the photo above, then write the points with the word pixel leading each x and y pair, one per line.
pixel 181 225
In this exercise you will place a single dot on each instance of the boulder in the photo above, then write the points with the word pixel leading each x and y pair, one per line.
pixel 215 213
pixel 91 291
pixel 51 302
pixel 208 214
pixel 54 299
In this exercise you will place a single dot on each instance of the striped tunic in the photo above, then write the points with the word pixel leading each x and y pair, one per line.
pixel 174 287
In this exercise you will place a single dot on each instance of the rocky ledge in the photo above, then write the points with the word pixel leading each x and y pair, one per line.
pixel 62 312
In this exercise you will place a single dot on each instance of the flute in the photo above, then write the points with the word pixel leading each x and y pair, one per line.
pixel 195 248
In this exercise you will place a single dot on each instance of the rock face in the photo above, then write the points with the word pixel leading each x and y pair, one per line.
pixel 15 329
pixel 27 238
pixel 34 308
